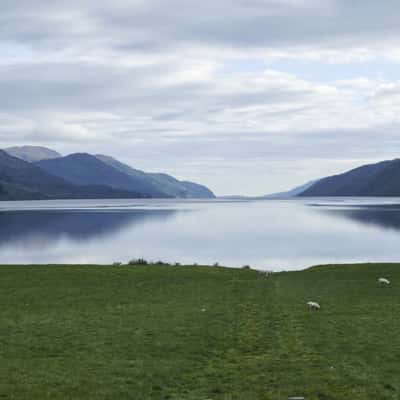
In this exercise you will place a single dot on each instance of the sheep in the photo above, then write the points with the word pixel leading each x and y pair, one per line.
pixel 263 272
pixel 384 281
pixel 312 305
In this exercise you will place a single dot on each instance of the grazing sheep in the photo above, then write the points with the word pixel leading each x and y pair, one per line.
pixel 312 305
pixel 384 281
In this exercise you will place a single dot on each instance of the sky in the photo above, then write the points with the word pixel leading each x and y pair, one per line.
pixel 245 96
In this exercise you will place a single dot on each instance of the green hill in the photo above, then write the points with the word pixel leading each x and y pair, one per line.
pixel 76 332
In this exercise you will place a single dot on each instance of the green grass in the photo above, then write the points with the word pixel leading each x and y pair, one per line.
pixel 198 333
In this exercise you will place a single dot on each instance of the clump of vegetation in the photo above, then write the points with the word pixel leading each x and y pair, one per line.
pixel 162 263
pixel 142 261
pixel 246 267
pixel 138 261
pixel 216 264
pixel 117 264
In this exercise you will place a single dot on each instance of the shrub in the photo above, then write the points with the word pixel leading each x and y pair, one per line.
pixel 162 263
pixel 246 267
pixel 138 261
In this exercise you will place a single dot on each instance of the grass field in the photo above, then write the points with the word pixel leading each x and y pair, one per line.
pixel 198 333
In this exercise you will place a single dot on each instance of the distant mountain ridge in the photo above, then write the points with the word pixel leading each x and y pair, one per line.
pixel 274 196
pixel 82 175
pixel 21 180
pixel 380 179
pixel 291 193
pixel 85 169
pixel 164 183
pixel 32 153
pixel 34 172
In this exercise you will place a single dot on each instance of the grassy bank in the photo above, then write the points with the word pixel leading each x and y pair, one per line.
pixel 198 333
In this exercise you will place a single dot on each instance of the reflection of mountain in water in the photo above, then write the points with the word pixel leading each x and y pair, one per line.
pixel 52 225
pixel 384 216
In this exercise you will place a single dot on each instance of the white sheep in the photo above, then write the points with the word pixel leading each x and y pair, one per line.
pixel 312 305
pixel 384 281
pixel 266 273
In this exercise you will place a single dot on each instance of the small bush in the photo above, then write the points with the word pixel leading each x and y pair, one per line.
pixel 117 264
pixel 216 264
pixel 162 263
pixel 246 267
pixel 138 261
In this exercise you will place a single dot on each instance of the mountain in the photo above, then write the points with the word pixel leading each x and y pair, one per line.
pixel 280 195
pixel 166 184
pixel 82 169
pixel 381 179
pixel 135 174
pixel 170 185
pixel 32 153
pixel 291 193
pixel 21 180
pixel 196 191
pixel 85 169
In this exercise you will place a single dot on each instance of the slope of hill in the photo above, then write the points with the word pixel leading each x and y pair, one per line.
pixel 85 169
pixel 291 193
pixel 135 174
pixel 32 153
pixel 196 191
pixel 21 180
pixel 381 179
pixel 167 184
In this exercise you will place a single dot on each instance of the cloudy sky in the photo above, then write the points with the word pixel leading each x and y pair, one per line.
pixel 246 96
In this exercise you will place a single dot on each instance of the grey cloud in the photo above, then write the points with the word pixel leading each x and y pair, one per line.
pixel 254 23
pixel 152 24
pixel 145 81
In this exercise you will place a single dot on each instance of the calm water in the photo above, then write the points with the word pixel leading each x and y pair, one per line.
pixel 273 235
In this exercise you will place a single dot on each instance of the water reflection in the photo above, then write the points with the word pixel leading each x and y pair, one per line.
pixel 385 216
pixel 74 225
